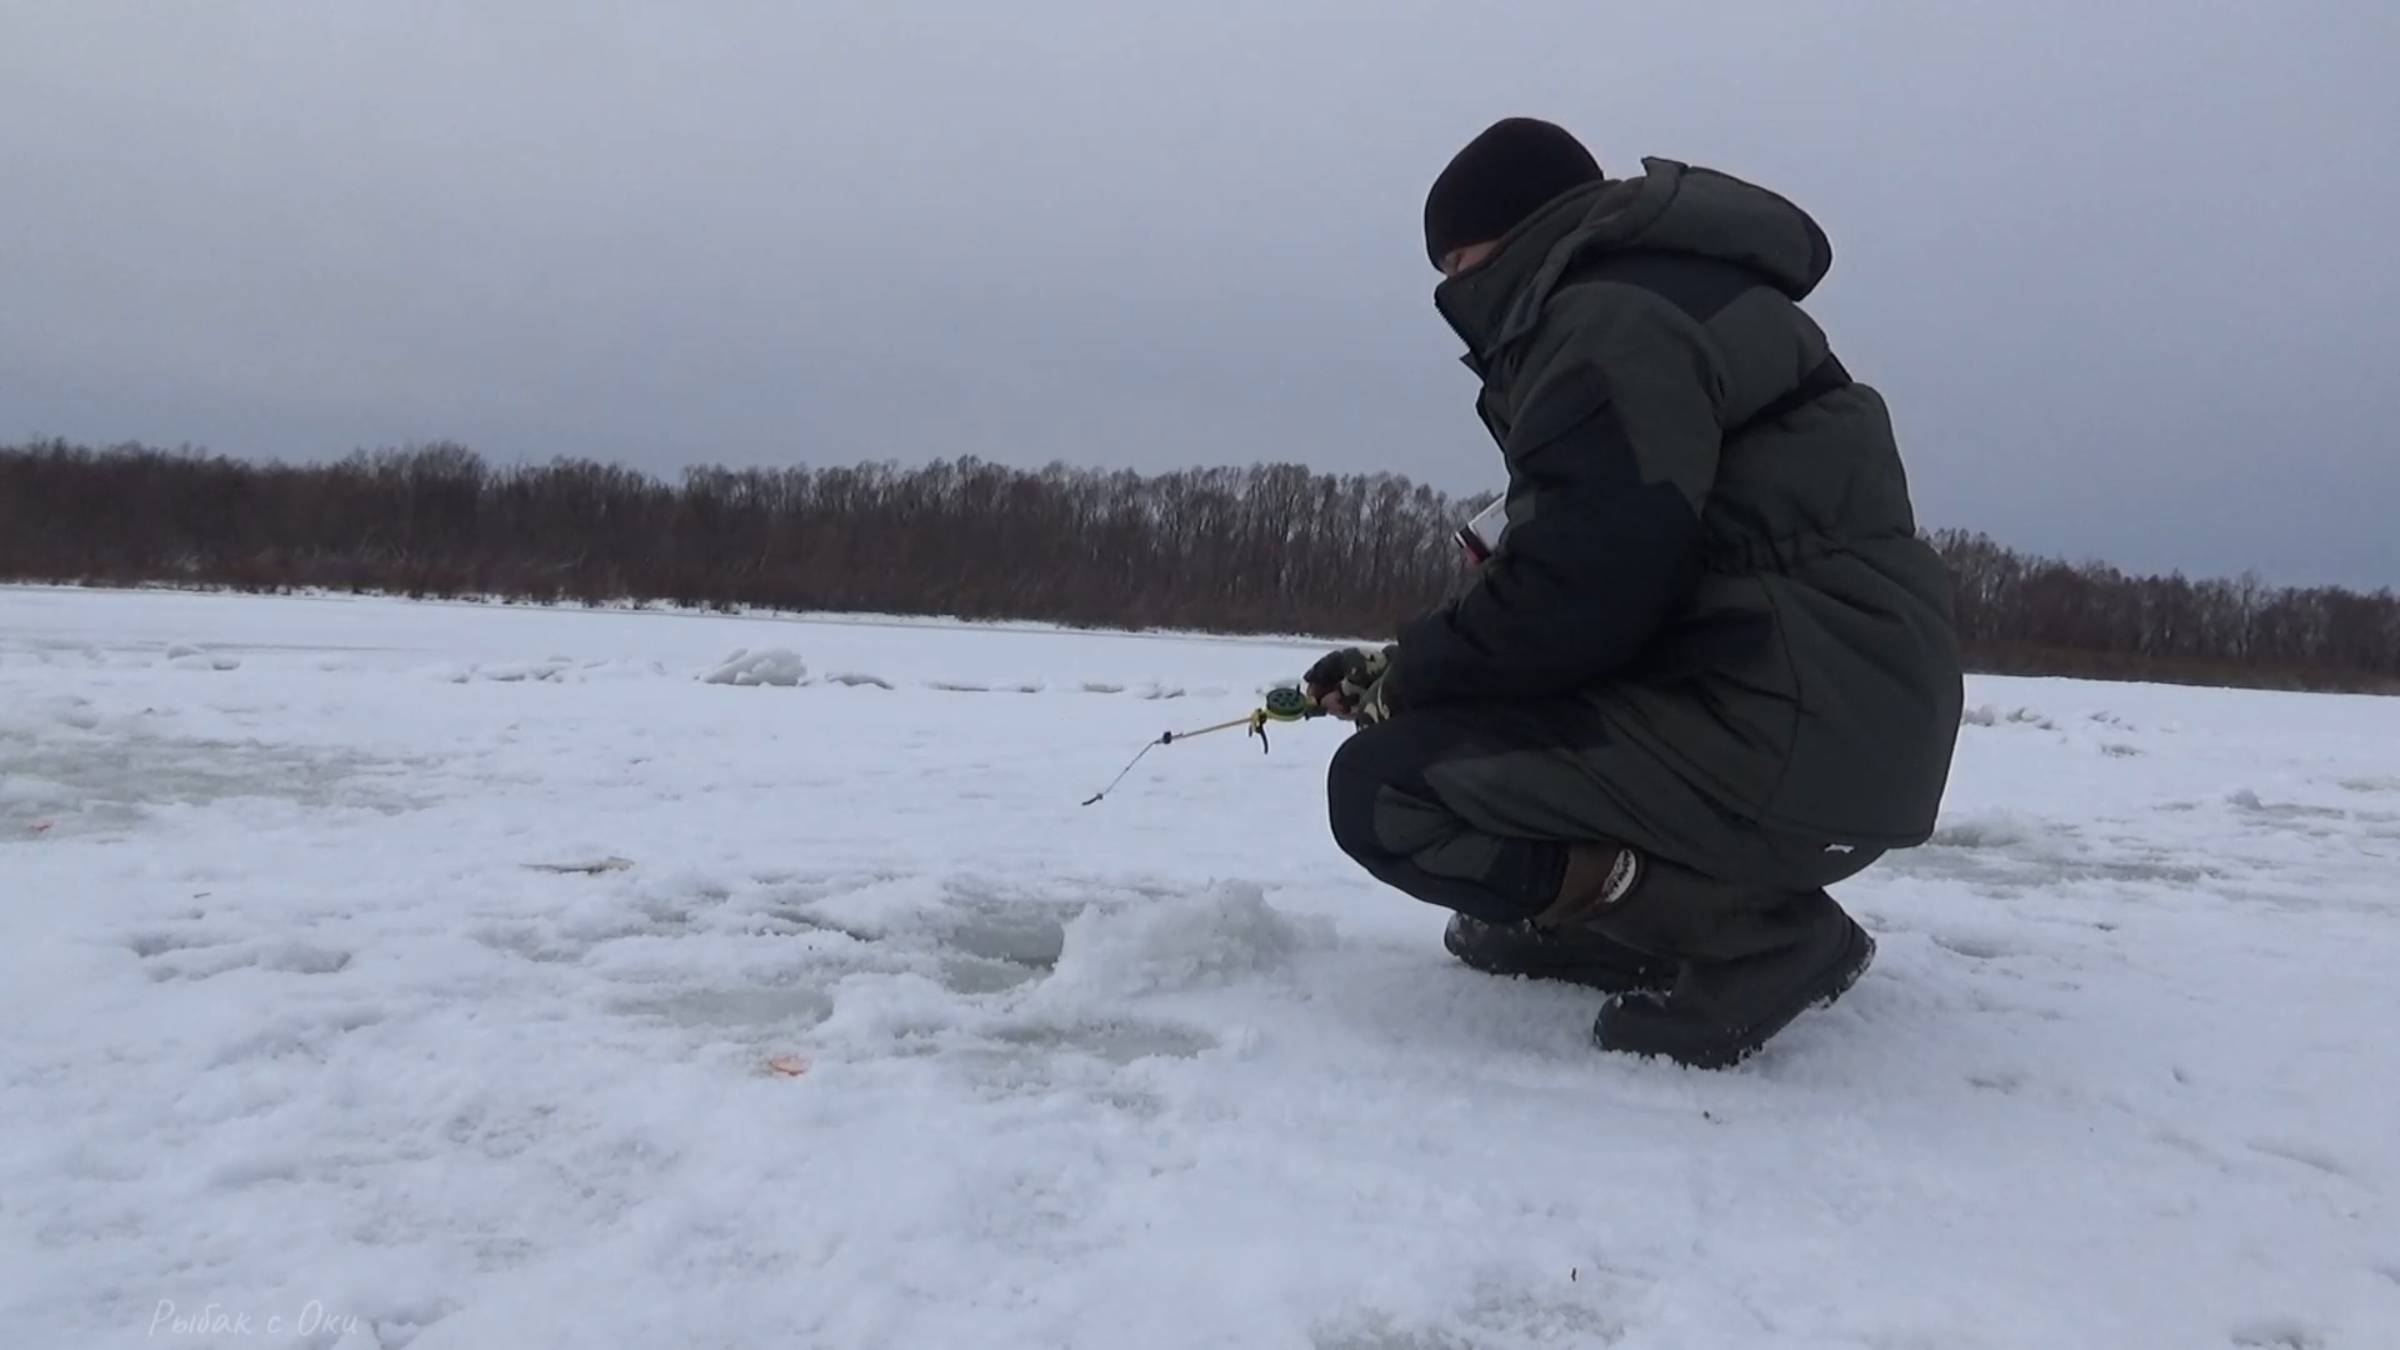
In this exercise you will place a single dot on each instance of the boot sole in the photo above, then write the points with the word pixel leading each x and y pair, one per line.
pixel 1858 953
pixel 1590 975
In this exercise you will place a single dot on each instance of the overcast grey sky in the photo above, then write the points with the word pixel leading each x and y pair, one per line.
pixel 2129 273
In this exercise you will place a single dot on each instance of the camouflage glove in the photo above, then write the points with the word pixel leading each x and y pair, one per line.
pixel 1350 683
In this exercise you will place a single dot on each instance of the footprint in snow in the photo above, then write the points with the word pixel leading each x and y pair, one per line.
pixel 211 957
pixel 2277 1333
pixel 740 1006
pixel 1567 1305
pixel 529 942
pixel 1023 934
pixel 304 958
pixel 2248 800
pixel 1988 832
pixel 1115 1042
pixel 972 975
pixel 2306 1154
pixel 1972 948
pixel 153 944
pixel 302 1034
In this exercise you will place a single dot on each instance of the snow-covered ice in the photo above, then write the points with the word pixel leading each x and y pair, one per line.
pixel 330 1020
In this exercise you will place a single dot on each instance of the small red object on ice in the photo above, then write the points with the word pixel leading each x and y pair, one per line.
pixel 41 826
pixel 788 1066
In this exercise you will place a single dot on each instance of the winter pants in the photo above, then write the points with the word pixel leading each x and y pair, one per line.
pixel 1472 807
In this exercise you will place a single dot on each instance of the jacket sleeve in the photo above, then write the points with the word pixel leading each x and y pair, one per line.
pixel 1611 453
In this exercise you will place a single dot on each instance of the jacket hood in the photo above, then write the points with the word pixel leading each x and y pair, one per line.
pixel 1671 208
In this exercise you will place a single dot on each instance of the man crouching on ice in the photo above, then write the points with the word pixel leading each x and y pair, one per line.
pixel 1709 668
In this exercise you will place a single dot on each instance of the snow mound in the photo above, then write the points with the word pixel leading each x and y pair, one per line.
pixel 854 680
pixel 1218 937
pixel 772 665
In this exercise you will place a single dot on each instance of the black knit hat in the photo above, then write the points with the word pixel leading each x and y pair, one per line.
pixel 1504 175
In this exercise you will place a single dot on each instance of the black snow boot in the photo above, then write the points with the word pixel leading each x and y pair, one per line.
pixel 1749 962
pixel 1579 955
pixel 1560 943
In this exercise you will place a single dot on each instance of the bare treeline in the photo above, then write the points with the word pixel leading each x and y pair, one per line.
pixel 1267 548
pixel 2021 615
pixel 1272 547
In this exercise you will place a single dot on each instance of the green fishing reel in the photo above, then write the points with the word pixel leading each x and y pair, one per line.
pixel 1289 704
pixel 1282 704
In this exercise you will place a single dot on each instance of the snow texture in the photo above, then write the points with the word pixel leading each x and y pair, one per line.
pixel 332 1018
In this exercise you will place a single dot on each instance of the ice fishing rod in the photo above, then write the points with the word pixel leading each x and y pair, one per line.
pixel 1283 704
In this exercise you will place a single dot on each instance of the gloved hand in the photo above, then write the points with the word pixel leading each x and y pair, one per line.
pixel 1350 683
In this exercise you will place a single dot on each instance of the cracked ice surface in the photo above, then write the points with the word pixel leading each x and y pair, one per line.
pixel 290 1021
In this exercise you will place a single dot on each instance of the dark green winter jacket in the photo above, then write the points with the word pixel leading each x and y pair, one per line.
pixel 1709 531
